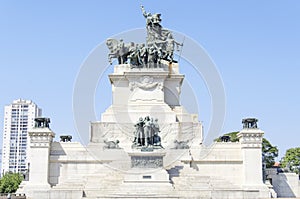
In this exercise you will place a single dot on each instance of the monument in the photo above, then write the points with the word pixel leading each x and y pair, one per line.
pixel 146 144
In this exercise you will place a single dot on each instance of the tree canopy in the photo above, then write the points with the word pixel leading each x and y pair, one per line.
pixel 291 160
pixel 269 152
pixel 10 182
pixel 232 135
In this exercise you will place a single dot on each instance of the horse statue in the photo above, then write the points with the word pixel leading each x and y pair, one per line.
pixel 118 49
pixel 160 45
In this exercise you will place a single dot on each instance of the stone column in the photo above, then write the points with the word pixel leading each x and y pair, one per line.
pixel 39 152
pixel 250 138
pixel 251 144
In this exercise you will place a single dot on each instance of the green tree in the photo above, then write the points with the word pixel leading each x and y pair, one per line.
pixel 269 152
pixel 232 135
pixel 10 182
pixel 291 160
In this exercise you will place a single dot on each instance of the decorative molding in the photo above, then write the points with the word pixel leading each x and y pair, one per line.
pixel 41 139
pixel 250 138
pixel 145 83
pixel 220 161
pixel 146 161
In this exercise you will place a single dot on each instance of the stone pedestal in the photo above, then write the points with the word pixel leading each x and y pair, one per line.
pixel 40 143
pixel 39 154
pixel 147 167
pixel 141 92
pixel 251 145
pixel 138 92
pixel 147 178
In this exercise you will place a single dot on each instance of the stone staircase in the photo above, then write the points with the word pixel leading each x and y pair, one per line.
pixel 184 181
pixel 91 186
pixel 187 181
pixel 71 183
pixel 102 184
pixel 114 185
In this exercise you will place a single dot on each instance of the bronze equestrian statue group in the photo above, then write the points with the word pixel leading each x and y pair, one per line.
pixel 160 45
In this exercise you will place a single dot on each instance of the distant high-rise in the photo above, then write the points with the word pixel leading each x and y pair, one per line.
pixel 18 119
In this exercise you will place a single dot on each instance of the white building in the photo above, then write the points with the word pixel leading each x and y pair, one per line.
pixel 18 119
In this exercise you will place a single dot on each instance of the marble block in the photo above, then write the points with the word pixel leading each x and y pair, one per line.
pixel 147 167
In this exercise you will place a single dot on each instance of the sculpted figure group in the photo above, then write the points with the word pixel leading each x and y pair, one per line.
pixel 146 132
pixel 41 122
pixel 160 45
pixel 250 123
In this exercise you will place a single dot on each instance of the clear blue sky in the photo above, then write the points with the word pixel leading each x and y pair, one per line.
pixel 255 45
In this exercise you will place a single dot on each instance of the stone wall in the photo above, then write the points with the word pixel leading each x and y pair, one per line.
pixel 284 184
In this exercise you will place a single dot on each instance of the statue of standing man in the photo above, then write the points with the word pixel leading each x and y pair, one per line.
pixel 139 134
pixel 151 20
pixel 147 131
pixel 156 137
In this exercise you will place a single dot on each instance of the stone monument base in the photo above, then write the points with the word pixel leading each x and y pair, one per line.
pixel 147 167
pixel 136 175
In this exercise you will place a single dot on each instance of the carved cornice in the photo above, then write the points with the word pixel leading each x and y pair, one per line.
pixel 250 138
pixel 41 139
